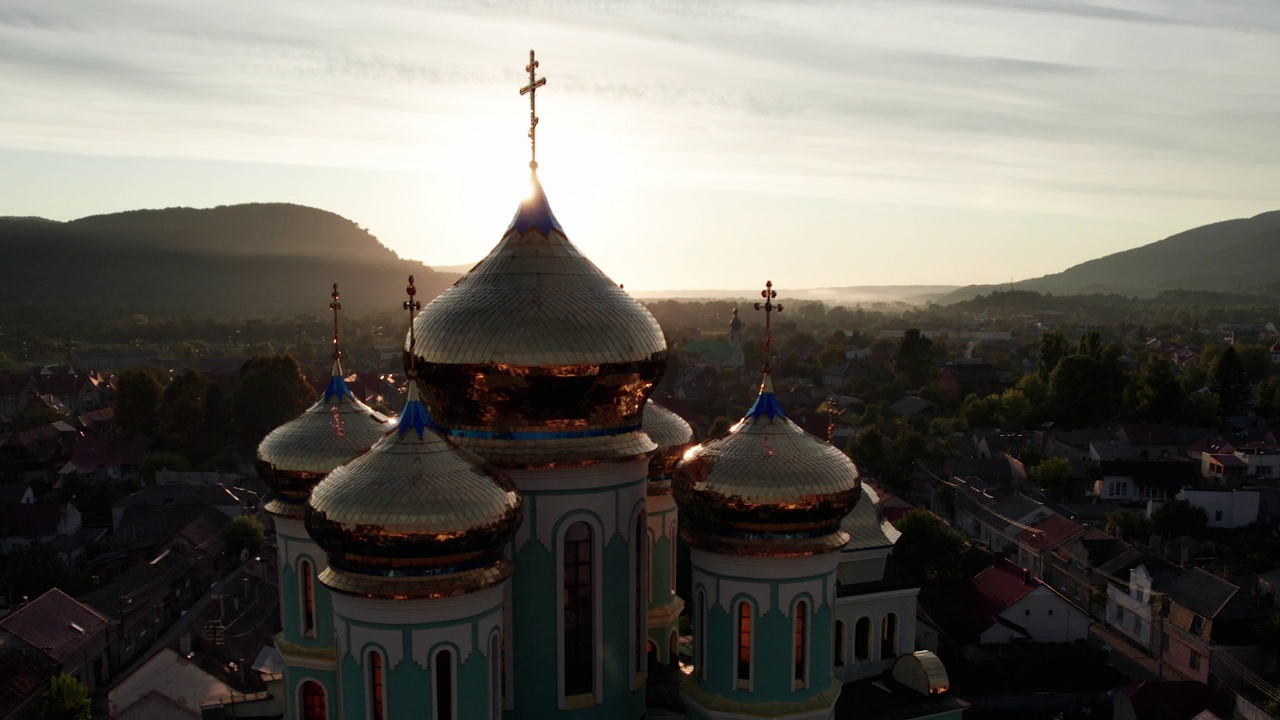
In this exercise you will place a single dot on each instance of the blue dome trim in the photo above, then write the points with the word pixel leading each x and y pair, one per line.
pixel 535 213
pixel 560 435
pixel 337 390
pixel 766 405
pixel 414 416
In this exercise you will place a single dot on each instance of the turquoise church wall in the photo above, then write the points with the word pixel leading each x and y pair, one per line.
pixel 315 660
pixel 664 604
pixel 291 603
pixel 295 676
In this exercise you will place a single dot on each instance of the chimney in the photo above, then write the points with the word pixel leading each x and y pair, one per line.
pixel 1026 576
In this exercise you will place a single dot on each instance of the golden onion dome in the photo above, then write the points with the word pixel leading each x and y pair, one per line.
pixel 414 517
pixel 297 455
pixel 672 435
pixel 536 357
pixel 766 487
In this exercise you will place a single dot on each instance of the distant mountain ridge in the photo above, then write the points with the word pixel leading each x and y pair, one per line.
pixel 1239 255
pixel 252 260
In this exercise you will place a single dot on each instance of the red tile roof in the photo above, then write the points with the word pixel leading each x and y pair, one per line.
pixel 88 452
pixel 57 624
pixel 1055 530
pixel 1002 585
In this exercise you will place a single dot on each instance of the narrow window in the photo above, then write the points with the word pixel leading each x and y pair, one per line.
pixel 579 646
pixel 889 637
pixel 641 609
pixel 375 687
pixel 744 645
pixel 838 660
pixel 862 639
pixel 801 629
pixel 313 703
pixel 495 678
pixel 308 600
pixel 444 685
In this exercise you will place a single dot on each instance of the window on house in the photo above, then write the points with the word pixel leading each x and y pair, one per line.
pixel 308 599
pixel 1137 624
pixel 1119 489
pixel 744 645
pixel 1139 594
pixel 313 702
pixel 444 685
pixel 889 637
pixel 1217 516
pixel 838 660
pixel 862 639
pixel 376 700
pixel 579 646
pixel 1050 611
pixel 1195 661
pixel 1165 607
pixel 801 670
pixel 1119 614
pixel 1197 625
pixel 1164 643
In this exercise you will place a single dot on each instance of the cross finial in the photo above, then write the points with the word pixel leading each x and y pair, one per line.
pixel 335 306
pixel 531 90
pixel 769 307
pixel 413 306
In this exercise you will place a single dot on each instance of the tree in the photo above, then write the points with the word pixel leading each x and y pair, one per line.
pixel 37 416
pixel 1229 381
pixel 928 548
pixel 33 570
pixel 181 417
pixel 1127 525
pixel 1090 344
pixel 913 361
pixel 1078 394
pixel 1053 347
pixel 138 401
pixel 66 699
pixel 1015 410
pixel 1154 394
pixel 244 532
pixel 1054 477
pixel 720 426
pixel 1178 517
pixel 1268 393
pixel 867 450
pixel 270 392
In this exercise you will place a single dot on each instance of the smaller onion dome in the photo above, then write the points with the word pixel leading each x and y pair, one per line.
pixel 673 436
pixel 415 517
pixel 297 455
pixel 867 526
pixel 736 322
pixel 766 487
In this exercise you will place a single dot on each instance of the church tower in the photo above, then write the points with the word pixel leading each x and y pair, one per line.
pixel 673 436
pixel 539 363
pixel 414 532
pixel 292 459
pixel 764 504
pixel 735 358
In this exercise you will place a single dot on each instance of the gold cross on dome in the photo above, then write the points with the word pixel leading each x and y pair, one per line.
pixel 769 307
pixel 531 90
pixel 335 306
pixel 413 306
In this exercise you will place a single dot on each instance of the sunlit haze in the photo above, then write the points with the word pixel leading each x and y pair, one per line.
pixel 682 144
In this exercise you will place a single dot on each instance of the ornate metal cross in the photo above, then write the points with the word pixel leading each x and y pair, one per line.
pixel 531 90
pixel 335 306
pixel 769 307
pixel 413 306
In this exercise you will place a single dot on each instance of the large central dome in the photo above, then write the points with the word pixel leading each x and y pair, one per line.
pixel 536 357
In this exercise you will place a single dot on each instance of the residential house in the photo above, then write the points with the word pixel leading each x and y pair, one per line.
pixel 910 406
pixel 113 457
pixel 77 392
pixel 1226 508
pixel 1129 607
pixel 1038 541
pixel 1170 700
pixel 1072 568
pixel 1142 480
pixel 73 637
pixel 960 379
pixel 1071 444
pixel 144 601
pixel 1100 450
pixel 996 519
pixel 1206 625
pixel 1150 441
pixel 220 497
pixel 16 393
pixel 1003 472
pixel 835 377
pixel 38 523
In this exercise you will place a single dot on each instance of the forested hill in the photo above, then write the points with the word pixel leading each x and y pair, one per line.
pixel 1233 255
pixel 237 261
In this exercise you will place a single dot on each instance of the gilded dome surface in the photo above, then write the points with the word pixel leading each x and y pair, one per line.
pixel 297 455
pixel 766 486
pixel 415 516
pixel 536 357
pixel 672 435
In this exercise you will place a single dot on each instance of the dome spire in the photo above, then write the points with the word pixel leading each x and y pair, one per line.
pixel 413 306
pixel 335 306
pixel 414 414
pixel 531 90
pixel 337 386
pixel 768 293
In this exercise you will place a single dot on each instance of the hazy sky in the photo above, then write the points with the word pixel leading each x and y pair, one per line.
pixel 683 143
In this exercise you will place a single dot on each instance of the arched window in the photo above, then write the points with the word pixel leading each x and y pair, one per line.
pixel 801 658
pixel 444 685
pixel 313 702
pixel 700 635
pixel 640 611
pixel 889 637
pixel 579 644
pixel 377 710
pixel 308 599
pixel 838 660
pixel 744 645
pixel 495 678
pixel 862 639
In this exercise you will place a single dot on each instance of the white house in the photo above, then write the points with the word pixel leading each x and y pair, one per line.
pixel 1129 610
pixel 1020 607
pixel 1226 508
